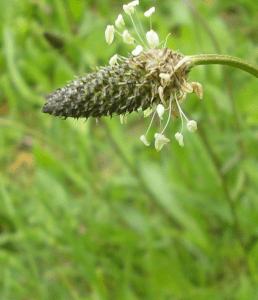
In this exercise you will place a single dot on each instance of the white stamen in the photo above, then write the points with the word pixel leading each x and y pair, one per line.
pixel 169 115
pixel 192 125
pixel 120 21
pixel 109 34
pixel 160 91
pixel 129 9
pixel 164 76
pixel 137 50
pixel 127 38
pixel 152 38
pixel 179 137
pixel 136 30
pixel 165 44
pixel 182 97
pixel 147 112
pixel 160 111
pixel 153 115
pixel 133 3
pixel 144 140
pixel 113 60
pixel 160 141
pixel 149 12
pixel 123 119
pixel 181 111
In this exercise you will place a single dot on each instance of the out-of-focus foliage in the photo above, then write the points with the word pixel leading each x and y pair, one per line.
pixel 89 212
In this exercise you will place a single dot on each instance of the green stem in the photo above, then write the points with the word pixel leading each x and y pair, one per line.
pixel 210 59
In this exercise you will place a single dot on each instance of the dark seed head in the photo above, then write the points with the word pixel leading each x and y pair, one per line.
pixel 119 89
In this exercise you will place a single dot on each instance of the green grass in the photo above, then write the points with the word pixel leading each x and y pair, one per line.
pixel 89 212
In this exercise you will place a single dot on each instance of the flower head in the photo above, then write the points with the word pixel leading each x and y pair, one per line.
pixel 152 79
pixel 160 141
pixel 109 34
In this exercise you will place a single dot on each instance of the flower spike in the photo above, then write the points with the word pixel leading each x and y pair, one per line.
pixel 152 79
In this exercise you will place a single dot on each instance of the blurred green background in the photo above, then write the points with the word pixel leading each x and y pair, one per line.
pixel 88 211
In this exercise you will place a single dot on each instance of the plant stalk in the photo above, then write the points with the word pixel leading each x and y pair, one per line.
pixel 220 59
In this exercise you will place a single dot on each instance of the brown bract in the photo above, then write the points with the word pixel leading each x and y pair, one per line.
pixel 161 61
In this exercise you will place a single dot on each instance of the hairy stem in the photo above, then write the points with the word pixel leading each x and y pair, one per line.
pixel 220 59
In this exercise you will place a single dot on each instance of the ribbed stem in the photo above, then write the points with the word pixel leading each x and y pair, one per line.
pixel 209 59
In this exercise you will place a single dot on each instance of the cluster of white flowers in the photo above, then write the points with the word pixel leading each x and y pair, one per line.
pixel 152 39
pixel 151 36
pixel 160 139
